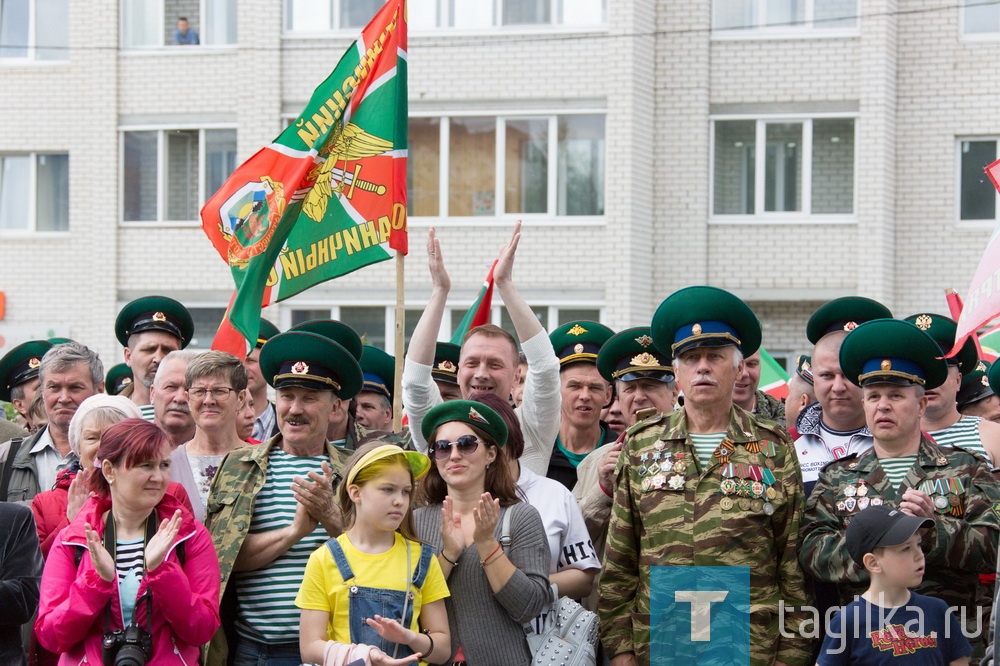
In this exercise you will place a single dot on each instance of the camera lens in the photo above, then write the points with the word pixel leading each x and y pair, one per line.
pixel 130 655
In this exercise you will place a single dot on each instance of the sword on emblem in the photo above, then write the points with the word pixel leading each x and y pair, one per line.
pixel 349 180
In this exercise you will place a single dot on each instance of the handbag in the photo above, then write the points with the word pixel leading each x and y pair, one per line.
pixel 570 635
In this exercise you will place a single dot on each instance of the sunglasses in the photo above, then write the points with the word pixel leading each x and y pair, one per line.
pixel 465 444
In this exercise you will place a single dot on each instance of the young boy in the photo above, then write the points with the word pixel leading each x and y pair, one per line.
pixel 889 624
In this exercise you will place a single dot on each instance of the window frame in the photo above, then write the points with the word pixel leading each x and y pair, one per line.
pixel 443 18
pixel 804 30
pixel 31 230
pixel 988 224
pixel 500 216
pixel 200 47
pixel 161 182
pixel 32 59
pixel 760 216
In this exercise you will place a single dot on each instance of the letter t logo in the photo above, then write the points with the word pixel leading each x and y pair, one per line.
pixel 701 610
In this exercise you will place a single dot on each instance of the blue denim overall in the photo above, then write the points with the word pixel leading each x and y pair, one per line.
pixel 366 602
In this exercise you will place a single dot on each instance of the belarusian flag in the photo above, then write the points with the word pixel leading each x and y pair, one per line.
pixel 328 196
pixel 479 312
pixel 773 378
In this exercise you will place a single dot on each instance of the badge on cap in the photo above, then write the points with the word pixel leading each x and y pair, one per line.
pixel 476 416
pixel 159 316
pixel 447 366
pixel 981 367
pixel 578 349
pixel 886 365
pixel 696 329
pixel 576 330
pixel 985 380
pixel 33 362
pixel 645 341
pixel 923 322
pixel 300 368
pixel 126 381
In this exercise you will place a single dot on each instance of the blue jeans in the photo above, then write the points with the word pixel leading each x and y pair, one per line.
pixel 252 653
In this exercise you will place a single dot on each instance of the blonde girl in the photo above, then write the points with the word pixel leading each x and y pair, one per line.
pixel 375 592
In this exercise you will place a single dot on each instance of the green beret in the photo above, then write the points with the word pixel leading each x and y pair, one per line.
pixel 21 365
pixel 579 341
pixel 631 355
pixel 704 317
pixel 942 329
pixel 975 385
pixel 892 351
pixel 993 377
pixel 338 331
pixel 59 341
pixel 379 371
pixel 154 313
pixel 266 332
pixel 446 363
pixel 803 368
pixel 310 361
pixel 844 314
pixel 473 413
pixel 118 377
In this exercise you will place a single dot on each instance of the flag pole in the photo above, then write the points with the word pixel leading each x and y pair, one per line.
pixel 397 393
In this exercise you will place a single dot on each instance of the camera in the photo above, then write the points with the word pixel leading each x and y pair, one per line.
pixel 131 646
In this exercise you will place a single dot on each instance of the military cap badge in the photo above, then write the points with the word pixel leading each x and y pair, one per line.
pixel 576 330
pixel 476 416
pixel 300 368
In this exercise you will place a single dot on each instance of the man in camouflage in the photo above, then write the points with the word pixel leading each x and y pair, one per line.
pixel 705 485
pixel 266 524
pixel 747 395
pixel 895 362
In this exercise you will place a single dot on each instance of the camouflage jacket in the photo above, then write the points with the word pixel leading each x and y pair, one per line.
pixel 963 543
pixel 699 524
pixel 769 408
pixel 230 508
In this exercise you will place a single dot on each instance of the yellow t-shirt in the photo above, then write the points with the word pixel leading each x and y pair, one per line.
pixel 323 588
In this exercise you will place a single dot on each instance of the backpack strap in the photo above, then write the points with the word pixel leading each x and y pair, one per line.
pixel 505 539
pixel 8 467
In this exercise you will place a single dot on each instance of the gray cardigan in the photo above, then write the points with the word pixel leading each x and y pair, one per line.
pixel 489 626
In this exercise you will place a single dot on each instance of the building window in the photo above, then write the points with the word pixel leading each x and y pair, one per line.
pixel 34 192
pixel 34 29
pixel 206 325
pixel 977 196
pixel 155 23
pixel 168 174
pixel 981 18
pixel 779 15
pixel 774 167
pixel 545 165
pixel 324 15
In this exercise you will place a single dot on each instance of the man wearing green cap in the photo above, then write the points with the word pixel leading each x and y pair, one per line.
pixel 488 360
pixel 895 363
pixel 149 328
pixel 374 402
pixel 976 397
pixel 706 484
pixel 942 420
pixel 265 425
pixel 584 393
pixel 273 504
pixel 834 426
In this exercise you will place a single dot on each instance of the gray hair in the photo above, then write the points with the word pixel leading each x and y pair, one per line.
pixel 217 364
pixel 737 356
pixel 185 355
pixel 63 357
pixel 113 408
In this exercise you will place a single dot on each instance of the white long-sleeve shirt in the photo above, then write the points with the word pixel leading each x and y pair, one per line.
pixel 538 412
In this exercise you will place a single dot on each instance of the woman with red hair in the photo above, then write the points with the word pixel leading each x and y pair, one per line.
pixel 134 569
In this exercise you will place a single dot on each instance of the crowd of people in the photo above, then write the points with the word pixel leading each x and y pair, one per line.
pixel 196 507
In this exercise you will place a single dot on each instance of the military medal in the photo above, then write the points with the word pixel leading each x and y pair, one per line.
pixel 940 503
pixel 850 491
pixel 757 505
pixel 757 489
pixel 863 503
pixel 658 481
pixel 653 468
pixel 952 499
pixel 768 508
pixel 771 493
pixel 850 503
pixel 726 503
pixel 840 505
pixel 862 489
pixel 646 483
pixel 680 466
pixel 745 504
pixel 728 486
pixel 877 501
pixel 724 450
pixel 676 482
pixel 642 468
pixel 659 445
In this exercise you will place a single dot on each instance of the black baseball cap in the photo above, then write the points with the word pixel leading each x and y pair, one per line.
pixel 879 526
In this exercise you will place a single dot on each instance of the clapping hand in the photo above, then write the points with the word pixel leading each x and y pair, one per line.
pixel 452 538
pixel 487 514
pixel 161 542
pixel 99 555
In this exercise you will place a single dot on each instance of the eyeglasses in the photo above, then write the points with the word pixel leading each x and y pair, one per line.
pixel 465 444
pixel 219 393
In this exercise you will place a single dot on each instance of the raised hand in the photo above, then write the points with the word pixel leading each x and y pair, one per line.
pixel 435 262
pixel 99 555
pixel 486 515
pixel 452 538
pixel 502 272
pixel 78 493
pixel 161 542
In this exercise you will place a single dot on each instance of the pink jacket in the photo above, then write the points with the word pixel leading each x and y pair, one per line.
pixel 185 600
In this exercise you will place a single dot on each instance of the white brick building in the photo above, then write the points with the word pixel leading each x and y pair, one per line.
pixel 647 144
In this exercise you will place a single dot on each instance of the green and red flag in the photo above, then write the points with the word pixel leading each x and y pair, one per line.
pixel 479 312
pixel 773 377
pixel 328 196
